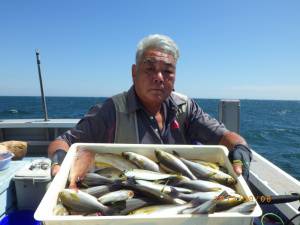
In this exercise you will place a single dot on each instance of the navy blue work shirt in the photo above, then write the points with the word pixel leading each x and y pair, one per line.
pixel 98 125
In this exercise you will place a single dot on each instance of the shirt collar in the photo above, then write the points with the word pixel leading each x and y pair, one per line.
pixel 134 104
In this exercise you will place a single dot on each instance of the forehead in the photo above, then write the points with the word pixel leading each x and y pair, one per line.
pixel 154 55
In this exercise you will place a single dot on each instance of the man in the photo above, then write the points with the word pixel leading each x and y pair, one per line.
pixel 150 113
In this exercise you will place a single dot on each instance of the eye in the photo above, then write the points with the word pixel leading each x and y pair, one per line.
pixel 168 71
pixel 150 69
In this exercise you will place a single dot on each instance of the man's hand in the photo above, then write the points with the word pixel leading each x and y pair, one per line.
pixel 57 151
pixel 240 157
pixel 82 164
pixel 54 169
pixel 57 159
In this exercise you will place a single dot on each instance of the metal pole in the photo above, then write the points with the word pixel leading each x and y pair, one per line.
pixel 41 85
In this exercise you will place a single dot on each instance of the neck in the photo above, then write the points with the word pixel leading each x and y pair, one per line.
pixel 152 109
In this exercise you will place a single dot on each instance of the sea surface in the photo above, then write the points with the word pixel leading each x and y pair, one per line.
pixel 271 127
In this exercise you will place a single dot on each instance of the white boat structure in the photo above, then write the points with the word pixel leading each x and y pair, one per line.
pixel 266 179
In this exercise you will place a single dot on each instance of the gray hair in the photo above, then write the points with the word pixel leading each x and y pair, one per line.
pixel 157 41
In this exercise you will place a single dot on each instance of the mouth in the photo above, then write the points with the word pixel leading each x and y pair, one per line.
pixel 156 90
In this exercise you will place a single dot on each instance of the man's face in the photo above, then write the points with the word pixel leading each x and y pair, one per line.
pixel 154 76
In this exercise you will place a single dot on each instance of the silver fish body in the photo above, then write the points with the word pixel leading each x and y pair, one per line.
pixel 172 162
pixel 204 172
pixel 141 161
pixel 126 207
pixel 116 196
pixel 147 189
pixel 202 196
pixel 103 160
pixel 203 185
pixel 94 179
pixel 233 199
pixel 208 164
pixel 98 191
pixel 159 210
pixel 206 207
pixel 109 172
pixel 146 175
pixel 80 201
pixel 246 207
pixel 163 188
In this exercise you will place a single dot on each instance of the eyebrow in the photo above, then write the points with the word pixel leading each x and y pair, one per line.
pixel 152 61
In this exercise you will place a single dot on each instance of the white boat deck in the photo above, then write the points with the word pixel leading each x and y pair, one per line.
pixel 271 180
pixel 265 176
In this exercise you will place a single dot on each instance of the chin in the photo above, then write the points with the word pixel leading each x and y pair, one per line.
pixel 156 98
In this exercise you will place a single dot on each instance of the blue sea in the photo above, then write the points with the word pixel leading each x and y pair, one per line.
pixel 271 127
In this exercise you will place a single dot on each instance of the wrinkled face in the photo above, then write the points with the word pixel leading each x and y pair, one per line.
pixel 154 77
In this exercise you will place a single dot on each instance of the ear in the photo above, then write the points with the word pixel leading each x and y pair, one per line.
pixel 133 72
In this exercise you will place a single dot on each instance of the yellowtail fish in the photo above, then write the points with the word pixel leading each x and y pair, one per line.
pixel 208 164
pixel 109 172
pixel 94 179
pixel 158 210
pixel 163 187
pixel 147 189
pixel 141 161
pixel 140 174
pixel 80 201
pixel 227 202
pixel 246 207
pixel 125 207
pixel 203 185
pixel 204 172
pixel 113 160
pixel 173 163
pixel 116 196
pixel 206 207
pixel 201 196
pixel 100 190
pixel 191 207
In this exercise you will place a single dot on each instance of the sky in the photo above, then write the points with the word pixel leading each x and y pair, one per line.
pixel 228 48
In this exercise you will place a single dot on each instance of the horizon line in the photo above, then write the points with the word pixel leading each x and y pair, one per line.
pixel 209 98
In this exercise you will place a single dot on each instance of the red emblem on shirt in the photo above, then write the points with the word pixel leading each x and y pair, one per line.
pixel 174 125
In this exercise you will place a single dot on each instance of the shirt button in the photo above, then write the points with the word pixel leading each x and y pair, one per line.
pixel 156 130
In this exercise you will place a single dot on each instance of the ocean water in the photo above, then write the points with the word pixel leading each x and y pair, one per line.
pixel 271 127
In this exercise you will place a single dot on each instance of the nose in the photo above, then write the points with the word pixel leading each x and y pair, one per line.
pixel 158 78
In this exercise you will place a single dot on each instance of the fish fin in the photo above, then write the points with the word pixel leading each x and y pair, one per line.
pixel 176 153
pixel 221 196
pixel 195 202
pixel 212 174
pixel 82 184
pixel 131 181
pixel 117 184
pixel 174 193
pixel 110 211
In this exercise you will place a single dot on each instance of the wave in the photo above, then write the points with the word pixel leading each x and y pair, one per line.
pixel 14 111
pixel 282 112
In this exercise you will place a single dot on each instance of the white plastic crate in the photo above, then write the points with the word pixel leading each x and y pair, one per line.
pixel 212 153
